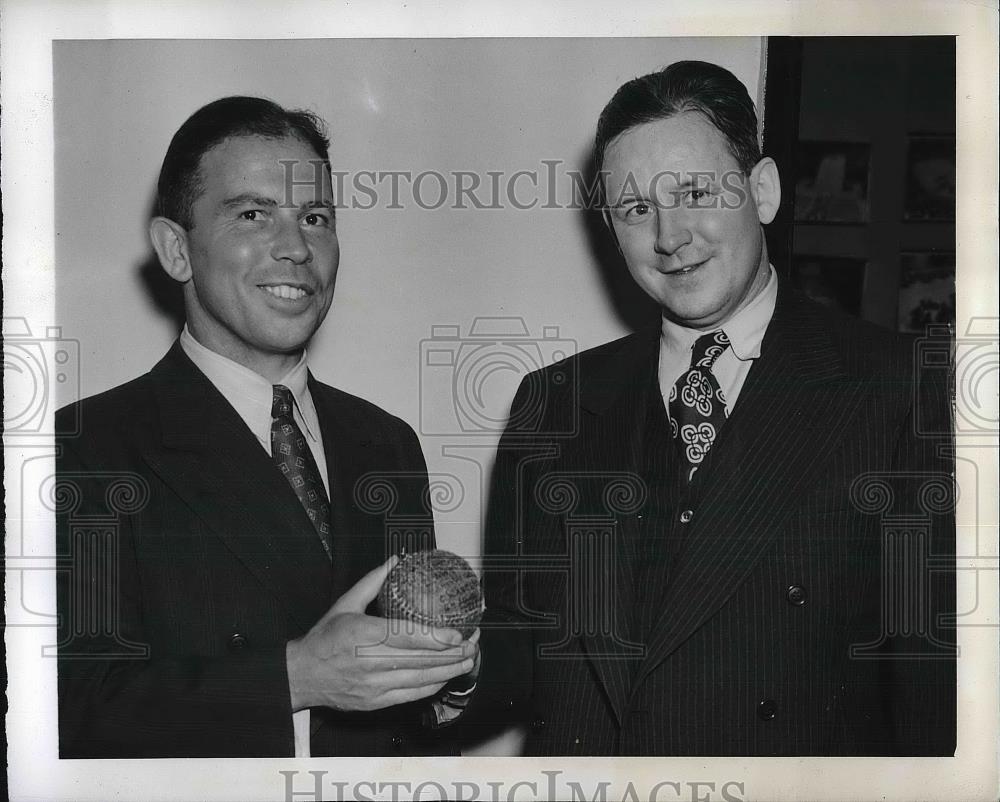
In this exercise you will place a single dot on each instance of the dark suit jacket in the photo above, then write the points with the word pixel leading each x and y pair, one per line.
pixel 189 563
pixel 797 589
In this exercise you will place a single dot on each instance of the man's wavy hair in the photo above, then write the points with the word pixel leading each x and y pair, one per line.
pixel 180 182
pixel 683 86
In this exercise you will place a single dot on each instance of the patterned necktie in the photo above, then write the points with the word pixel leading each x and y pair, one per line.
pixel 291 454
pixel 697 405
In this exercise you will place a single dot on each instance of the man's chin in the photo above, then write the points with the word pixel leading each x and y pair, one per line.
pixel 287 339
pixel 703 315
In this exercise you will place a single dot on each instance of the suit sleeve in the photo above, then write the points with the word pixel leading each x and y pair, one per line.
pixel 505 679
pixel 117 696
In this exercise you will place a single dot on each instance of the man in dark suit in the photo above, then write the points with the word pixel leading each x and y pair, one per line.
pixel 222 516
pixel 720 535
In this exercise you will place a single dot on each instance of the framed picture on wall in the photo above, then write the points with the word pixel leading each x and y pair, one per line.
pixel 926 289
pixel 832 182
pixel 930 178
pixel 835 281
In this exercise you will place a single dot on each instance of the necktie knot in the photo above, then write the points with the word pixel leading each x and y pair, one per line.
pixel 281 401
pixel 708 348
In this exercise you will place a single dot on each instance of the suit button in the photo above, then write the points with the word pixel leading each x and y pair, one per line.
pixel 766 710
pixel 796 594
pixel 237 641
pixel 397 741
pixel 686 516
pixel 538 724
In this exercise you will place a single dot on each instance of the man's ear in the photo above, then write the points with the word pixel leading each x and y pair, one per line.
pixel 171 245
pixel 765 187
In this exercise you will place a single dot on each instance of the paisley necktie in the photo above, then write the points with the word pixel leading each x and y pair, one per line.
pixel 697 406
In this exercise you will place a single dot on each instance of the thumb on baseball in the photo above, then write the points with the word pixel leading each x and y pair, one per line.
pixel 365 589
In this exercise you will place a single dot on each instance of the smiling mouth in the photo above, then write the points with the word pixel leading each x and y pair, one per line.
pixel 683 271
pixel 288 292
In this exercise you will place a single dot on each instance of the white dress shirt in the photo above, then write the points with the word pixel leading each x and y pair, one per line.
pixel 250 394
pixel 745 331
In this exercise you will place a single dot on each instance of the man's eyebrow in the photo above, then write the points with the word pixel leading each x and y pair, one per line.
pixel 627 196
pixel 248 198
pixel 319 204
pixel 700 180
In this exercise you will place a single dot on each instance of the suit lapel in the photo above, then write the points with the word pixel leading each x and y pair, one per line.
pixel 350 454
pixel 615 399
pixel 794 407
pixel 210 458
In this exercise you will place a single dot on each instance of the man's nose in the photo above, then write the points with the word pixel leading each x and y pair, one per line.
pixel 672 231
pixel 290 244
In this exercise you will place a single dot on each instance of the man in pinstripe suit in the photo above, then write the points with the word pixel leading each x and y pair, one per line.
pixel 691 527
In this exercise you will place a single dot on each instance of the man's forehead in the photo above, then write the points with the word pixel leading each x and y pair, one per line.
pixel 251 145
pixel 282 164
pixel 684 142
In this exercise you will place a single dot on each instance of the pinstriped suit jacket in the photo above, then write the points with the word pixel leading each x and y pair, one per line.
pixel 801 609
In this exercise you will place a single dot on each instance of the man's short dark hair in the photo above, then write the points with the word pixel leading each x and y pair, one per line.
pixel 684 86
pixel 179 185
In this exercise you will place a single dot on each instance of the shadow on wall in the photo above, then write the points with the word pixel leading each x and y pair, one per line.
pixel 165 293
pixel 632 306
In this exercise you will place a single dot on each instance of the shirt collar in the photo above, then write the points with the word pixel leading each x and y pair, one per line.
pixel 247 391
pixel 745 329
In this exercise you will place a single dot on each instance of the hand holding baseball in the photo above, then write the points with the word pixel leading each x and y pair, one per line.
pixel 352 661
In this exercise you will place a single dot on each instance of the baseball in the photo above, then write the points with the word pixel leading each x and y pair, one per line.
pixel 435 588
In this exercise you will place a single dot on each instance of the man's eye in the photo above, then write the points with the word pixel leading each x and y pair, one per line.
pixel 699 194
pixel 252 215
pixel 637 211
pixel 316 219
